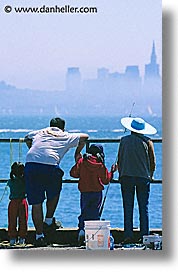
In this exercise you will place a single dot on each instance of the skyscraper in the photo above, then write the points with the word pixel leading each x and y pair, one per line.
pixel 152 87
pixel 73 79
pixel 152 69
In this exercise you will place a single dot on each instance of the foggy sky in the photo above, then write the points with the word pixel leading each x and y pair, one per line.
pixel 37 49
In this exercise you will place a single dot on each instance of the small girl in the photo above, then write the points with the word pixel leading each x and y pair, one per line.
pixel 92 174
pixel 18 208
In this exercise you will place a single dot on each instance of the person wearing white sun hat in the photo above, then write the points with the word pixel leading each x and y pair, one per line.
pixel 136 165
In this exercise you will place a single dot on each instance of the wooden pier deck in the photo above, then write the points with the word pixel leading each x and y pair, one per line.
pixel 64 239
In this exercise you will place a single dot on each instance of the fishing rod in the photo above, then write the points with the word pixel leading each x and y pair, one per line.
pixel 103 203
pixel 115 163
pixel 131 109
pixel 104 199
pixel 130 114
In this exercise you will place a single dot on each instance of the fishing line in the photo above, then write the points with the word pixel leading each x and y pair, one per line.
pixel 11 151
pixel 20 148
pixel 5 189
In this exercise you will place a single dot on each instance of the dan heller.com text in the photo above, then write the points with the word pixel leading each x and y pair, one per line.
pixel 55 9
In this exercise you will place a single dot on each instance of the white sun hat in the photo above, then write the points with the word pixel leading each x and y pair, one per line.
pixel 138 125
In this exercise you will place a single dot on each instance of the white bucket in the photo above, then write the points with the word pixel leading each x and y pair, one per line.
pixel 97 235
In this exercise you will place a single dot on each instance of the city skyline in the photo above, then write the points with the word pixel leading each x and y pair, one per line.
pixel 99 71
pixel 36 49
pixel 152 70
pixel 99 95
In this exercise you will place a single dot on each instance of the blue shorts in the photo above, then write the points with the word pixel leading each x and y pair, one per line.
pixel 42 181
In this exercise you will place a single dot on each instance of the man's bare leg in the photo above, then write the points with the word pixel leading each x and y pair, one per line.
pixel 51 206
pixel 37 217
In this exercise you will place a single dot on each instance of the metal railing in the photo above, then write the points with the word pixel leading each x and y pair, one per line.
pixel 98 140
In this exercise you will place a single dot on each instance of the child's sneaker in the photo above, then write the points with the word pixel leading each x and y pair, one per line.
pixel 12 242
pixel 21 241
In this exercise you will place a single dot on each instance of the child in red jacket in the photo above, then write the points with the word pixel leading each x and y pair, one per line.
pixel 93 175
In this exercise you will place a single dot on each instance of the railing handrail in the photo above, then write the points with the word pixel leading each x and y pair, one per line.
pixel 155 181
pixel 97 140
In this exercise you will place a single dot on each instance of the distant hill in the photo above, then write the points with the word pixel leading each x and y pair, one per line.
pixel 33 102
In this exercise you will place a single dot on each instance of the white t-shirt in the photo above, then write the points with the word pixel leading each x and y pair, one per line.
pixel 50 144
